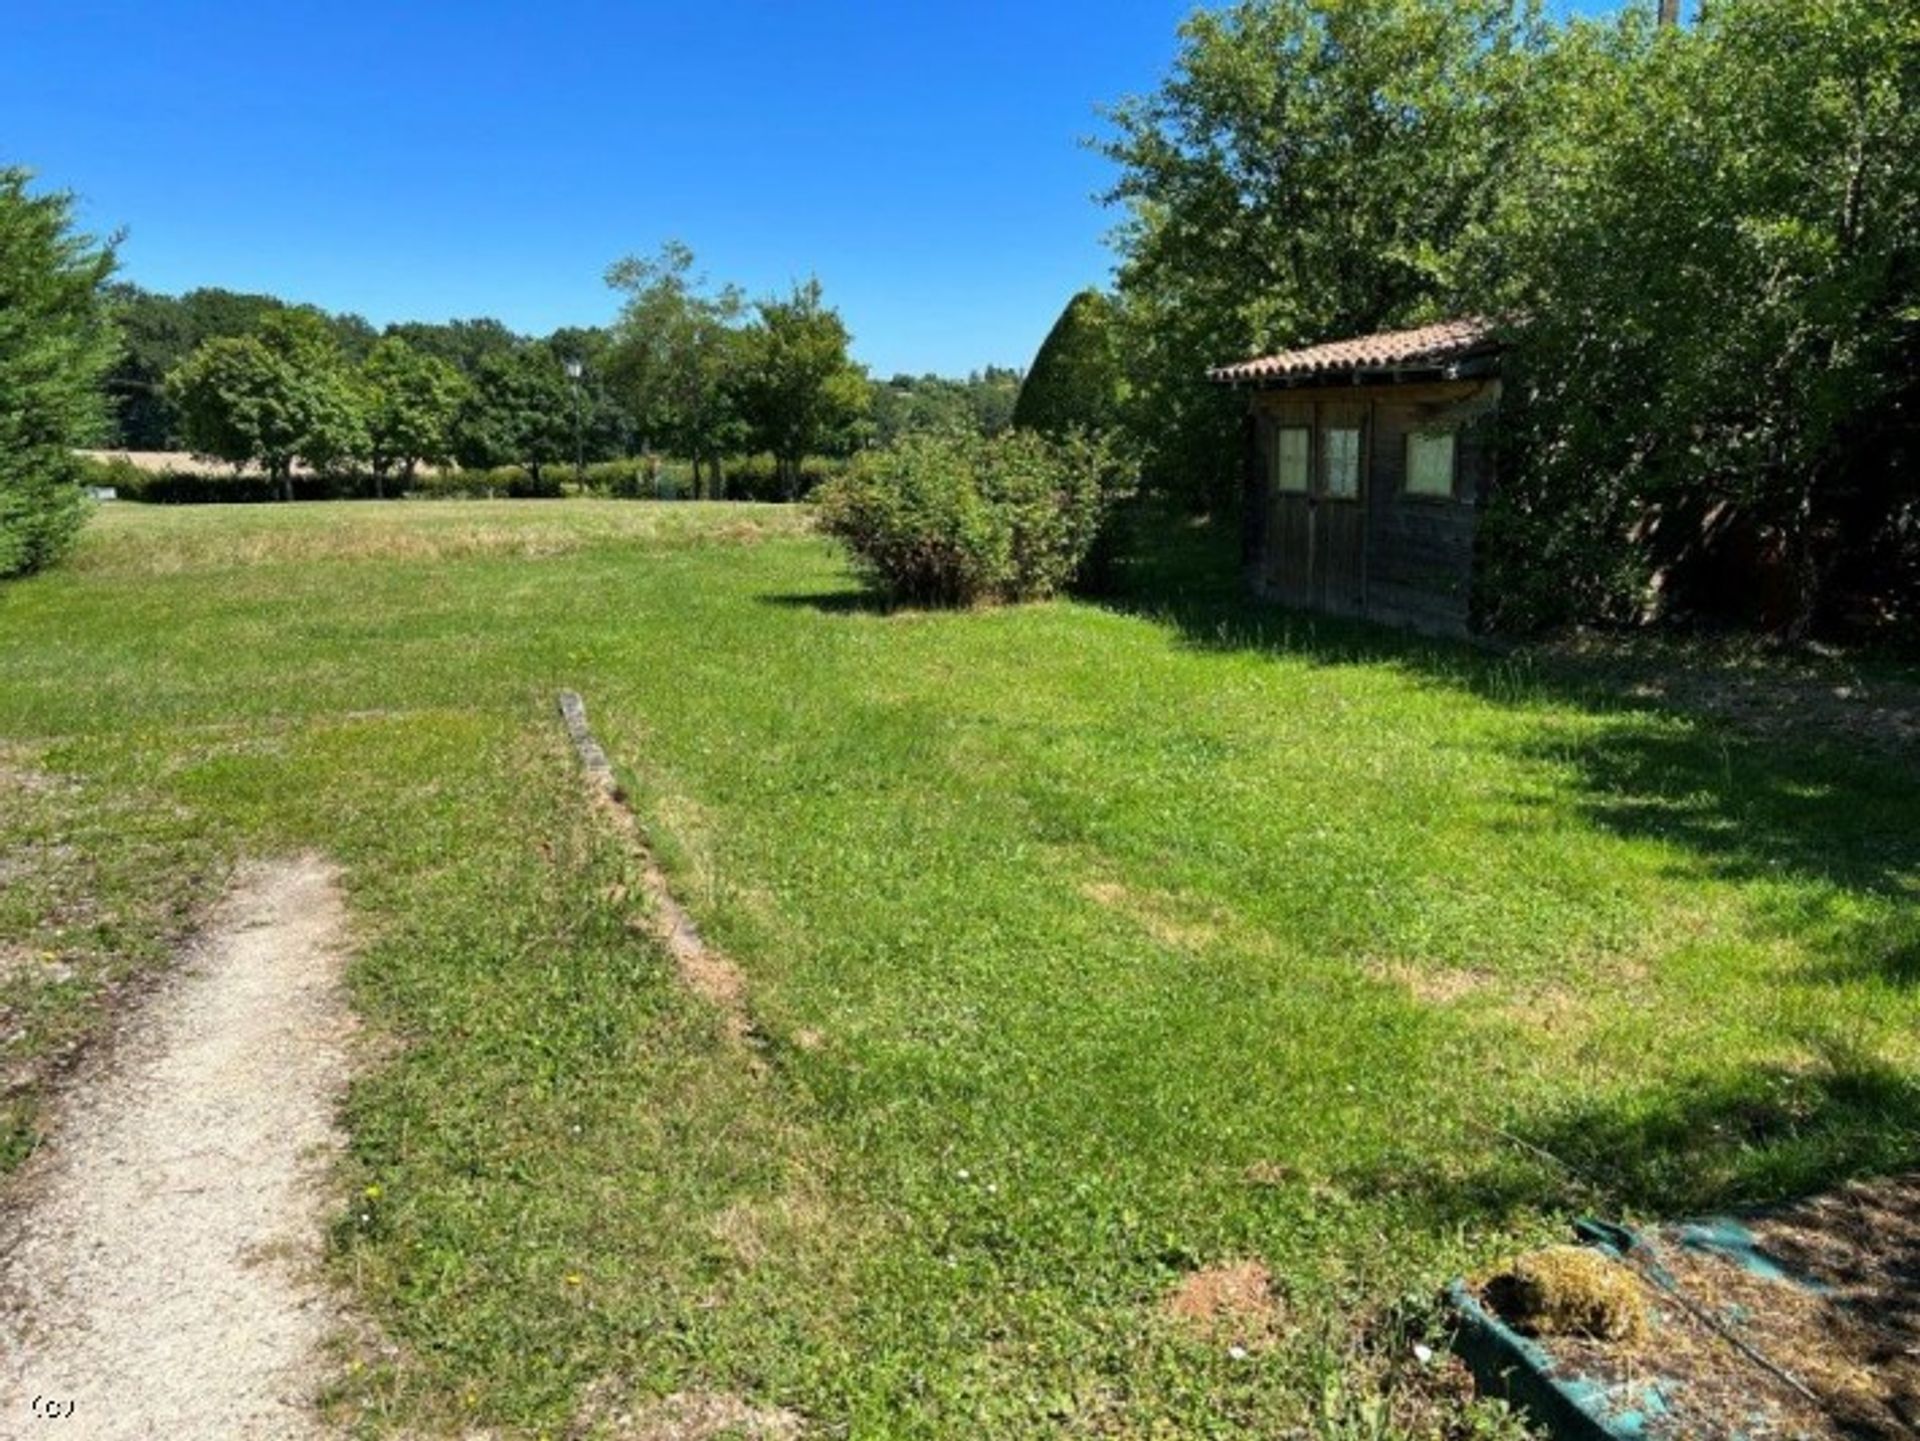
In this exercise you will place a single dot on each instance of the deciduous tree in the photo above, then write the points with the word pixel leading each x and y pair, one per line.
pixel 411 401
pixel 281 395
pixel 800 392
pixel 1309 170
pixel 676 358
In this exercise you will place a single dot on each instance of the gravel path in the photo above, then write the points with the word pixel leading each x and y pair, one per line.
pixel 158 1266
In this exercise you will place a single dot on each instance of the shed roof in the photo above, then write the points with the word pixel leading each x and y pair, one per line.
pixel 1429 346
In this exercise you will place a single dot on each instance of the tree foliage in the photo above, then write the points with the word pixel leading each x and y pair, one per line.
pixel 1076 380
pixel 55 345
pixel 410 400
pixel 905 405
pixel 676 355
pixel 517 411
pixel 1714 240
pixel 157 332
pixel 1309 170
pixel 800 392
pixel 281 395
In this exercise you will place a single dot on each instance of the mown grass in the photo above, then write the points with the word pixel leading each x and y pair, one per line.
pixel 1088 945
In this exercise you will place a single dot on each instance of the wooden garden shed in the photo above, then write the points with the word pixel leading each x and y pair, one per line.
pixel 1367 460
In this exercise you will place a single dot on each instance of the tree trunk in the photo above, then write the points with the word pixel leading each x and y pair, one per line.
pixel 379 485
pixel 1669 12
pixel 286 482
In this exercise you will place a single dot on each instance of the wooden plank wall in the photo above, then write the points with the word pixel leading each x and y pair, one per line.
pixel 1419 550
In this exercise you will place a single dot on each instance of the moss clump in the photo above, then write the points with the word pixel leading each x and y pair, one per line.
pixel 1570 1291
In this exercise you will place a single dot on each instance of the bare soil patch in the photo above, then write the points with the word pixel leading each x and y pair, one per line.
pixel 158 1270
pixel 1229 1303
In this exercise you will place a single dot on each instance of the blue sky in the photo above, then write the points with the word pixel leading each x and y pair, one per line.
pixel 433 159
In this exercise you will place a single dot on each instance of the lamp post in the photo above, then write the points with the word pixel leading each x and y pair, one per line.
pixel 574 371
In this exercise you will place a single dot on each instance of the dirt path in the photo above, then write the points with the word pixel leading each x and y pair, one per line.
pixel 157 1270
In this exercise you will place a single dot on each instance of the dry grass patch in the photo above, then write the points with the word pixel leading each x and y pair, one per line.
pixel 1433 985
pixel 194 539
pixel 1571 1291
pixel 1156 913
pixel 1233 1303
pixel 608 1414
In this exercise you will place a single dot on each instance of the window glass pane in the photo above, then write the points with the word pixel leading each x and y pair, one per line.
pixel 1343 461
pixel 1290 458
pixel 1430 463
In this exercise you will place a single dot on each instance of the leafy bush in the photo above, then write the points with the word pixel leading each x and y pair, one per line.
pixel 953 519
pixel 624 479
pixel 115 473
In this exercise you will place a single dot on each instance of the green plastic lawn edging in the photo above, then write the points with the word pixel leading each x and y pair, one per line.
pixel 1576 1407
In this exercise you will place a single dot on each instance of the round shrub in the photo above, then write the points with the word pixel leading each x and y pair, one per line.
pixel 956 519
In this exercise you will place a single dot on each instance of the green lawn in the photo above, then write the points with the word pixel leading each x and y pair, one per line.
pixel 1087 946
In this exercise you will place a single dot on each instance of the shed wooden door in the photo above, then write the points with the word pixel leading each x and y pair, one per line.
pixel 1289 558
pixel 1340 508
pixel 1317 528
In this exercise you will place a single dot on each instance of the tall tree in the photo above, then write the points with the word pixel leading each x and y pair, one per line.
pixel 410 403
pixel 1714 237
pixel 676 358
pixel 1076 381
pixel 55 344
pixel 1308 170
pixel 281 395
pixel 517 411
pixel 800 391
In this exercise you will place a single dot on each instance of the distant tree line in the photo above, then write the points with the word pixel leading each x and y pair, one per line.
pixel 1703 243
pixel 688 371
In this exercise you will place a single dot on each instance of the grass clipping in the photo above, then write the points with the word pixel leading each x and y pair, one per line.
pixel 1570 1291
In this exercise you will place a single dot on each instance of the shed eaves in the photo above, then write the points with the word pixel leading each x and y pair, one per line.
pixel 1450 340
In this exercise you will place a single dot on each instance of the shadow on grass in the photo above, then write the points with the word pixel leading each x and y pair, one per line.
pixel 1763 1135
pixel 1790 802
pixel 1824 832
pixel 836 602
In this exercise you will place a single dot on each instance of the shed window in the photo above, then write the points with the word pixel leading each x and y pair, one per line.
pixel 1290 458
pixel 1430 462
pixel 1342 449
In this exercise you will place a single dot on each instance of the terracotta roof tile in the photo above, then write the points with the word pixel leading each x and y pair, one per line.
pixel 1428 345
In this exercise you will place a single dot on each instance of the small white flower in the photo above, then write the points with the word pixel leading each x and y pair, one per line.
pixel 963 1175
pixel 1422 1353
pixel 1238 1353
